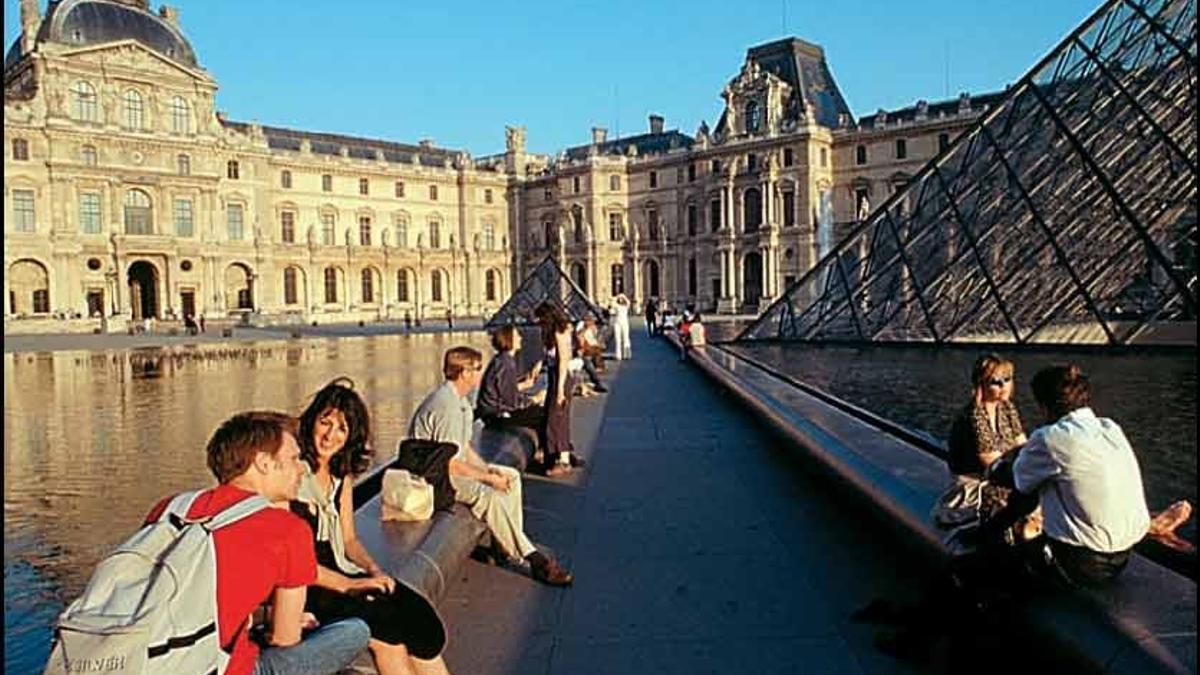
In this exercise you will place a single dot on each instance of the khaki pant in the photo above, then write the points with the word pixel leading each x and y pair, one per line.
pixel 502 512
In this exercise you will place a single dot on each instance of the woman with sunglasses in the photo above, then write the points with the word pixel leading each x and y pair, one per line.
pixel 407 635
pixel 986 429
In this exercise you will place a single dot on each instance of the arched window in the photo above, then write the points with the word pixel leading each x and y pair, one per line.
pixel 402 286
pixel 133 110
pixel 753 121
pixel 83 102
pixel 435 286
pixel 435 234
pixel 752 209
pixel 331 284
pixel 618 278
pixel 181 116
pixel 289 286
pixel 88 154
pixel 577 224
pixel 652 232
pixel 368 286
pixel 489 285
pixel 28 288
pixel 139 216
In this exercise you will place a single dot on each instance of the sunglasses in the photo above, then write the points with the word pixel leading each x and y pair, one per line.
pixel 1000 381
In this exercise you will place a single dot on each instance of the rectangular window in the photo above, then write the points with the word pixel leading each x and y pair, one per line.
pixel 716 167
pixel 691 220
pixel 183 165
pixel 331 284
pixel 364 231
pixel 41 301
pixel 652 224
pixel 614 183
pixel 487 196
pixel 751 162
pixel 95 302
pixel 860 155
pixel 615 232
pixel 678 175
pixel 901 148
pixel 232 170
pixel 714 215
pixel 691 172
pixel 89 213
pixel 860 200
pixel 653 179
pixel 548 194
pixel 788 159
pixel 20 149
pixel 399 188
pixel 433 193
pixel 402 232
pixel 575 184
pixel 943 142
pixel 364 186
pixel 789 209
pixel 23 215
pixel 823 155
pixel 326 183
pixel 287 227
pixel 184 223
pixel 285 179
pixel 328 232
pixel 235 219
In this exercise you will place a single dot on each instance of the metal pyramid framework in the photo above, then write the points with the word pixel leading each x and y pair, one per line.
pixel 1066 214
pixel 546 283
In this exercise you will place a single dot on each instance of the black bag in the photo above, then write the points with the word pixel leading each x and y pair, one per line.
pixel 431 461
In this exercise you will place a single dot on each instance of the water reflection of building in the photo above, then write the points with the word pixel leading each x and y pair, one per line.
pixel 127 194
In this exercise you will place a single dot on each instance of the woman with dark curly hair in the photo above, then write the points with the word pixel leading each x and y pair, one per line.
pixel 407 635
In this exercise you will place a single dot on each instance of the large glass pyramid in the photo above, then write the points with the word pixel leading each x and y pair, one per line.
pixel 1066 214
pixel 546 283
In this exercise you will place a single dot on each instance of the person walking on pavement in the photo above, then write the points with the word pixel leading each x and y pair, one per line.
pixel 621 327
pixel 651 311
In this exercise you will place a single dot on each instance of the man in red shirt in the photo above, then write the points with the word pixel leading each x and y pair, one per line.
pixel 267 557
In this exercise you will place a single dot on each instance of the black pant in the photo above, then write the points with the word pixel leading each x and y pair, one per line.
pixel 531 417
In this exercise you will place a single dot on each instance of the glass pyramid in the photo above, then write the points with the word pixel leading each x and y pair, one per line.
pixel 1067 214
pixel 546 283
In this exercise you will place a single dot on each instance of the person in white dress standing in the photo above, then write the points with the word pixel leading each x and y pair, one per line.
pixel 621 327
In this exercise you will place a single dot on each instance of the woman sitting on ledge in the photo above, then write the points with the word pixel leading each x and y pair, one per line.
pixel 985 430
pixel 407 635
pixel 502 400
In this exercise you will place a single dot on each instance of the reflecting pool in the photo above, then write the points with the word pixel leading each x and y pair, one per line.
pixel 93 439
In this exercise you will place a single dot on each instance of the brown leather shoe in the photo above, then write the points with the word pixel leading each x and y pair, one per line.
pixel 551 573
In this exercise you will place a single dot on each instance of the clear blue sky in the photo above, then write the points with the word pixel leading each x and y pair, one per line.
pixel 458 72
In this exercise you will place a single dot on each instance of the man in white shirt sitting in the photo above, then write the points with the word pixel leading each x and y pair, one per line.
pixel 1083 473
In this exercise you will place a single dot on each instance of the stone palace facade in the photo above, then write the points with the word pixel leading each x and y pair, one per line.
pixel 128 195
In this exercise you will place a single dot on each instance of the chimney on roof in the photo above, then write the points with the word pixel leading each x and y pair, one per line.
pixel 31 19
pixel 169 14
pixel 964 102
pixel 599 135
pixel 656 124
pixel 425 142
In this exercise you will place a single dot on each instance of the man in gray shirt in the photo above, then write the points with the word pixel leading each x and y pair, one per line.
pixel 492 491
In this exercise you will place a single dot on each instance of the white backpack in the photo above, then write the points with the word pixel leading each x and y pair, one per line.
pixel 151 605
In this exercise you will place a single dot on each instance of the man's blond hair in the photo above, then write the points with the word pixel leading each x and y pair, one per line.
pixel 460 359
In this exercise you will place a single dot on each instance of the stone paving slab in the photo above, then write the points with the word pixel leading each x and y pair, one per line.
pixel 697 548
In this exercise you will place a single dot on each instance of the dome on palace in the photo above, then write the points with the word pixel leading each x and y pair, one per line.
pixel 90 22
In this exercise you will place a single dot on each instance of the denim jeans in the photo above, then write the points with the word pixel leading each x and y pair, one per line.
pixel 325 651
